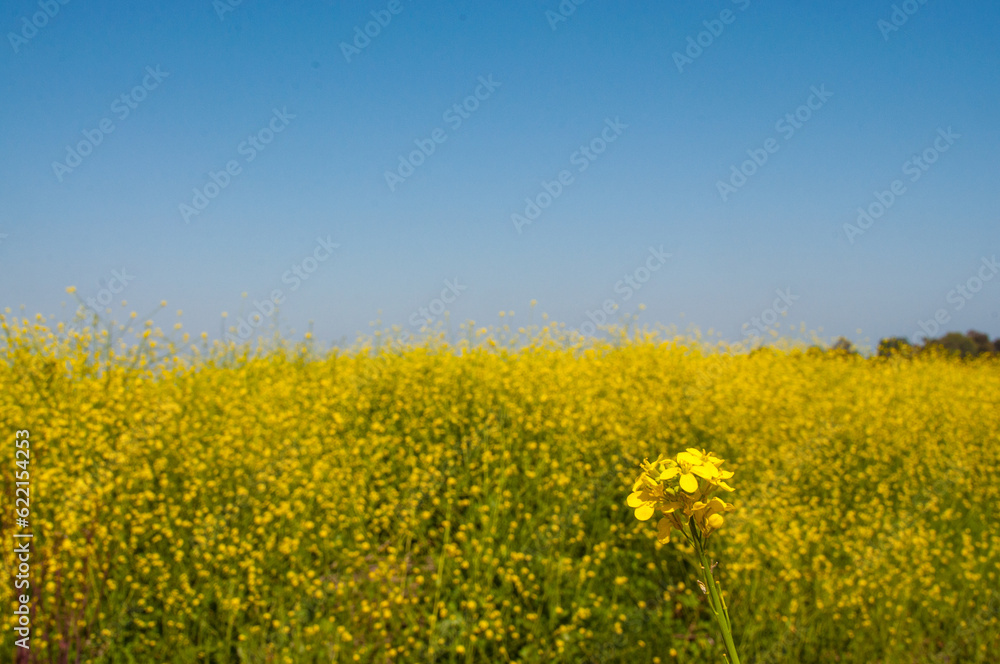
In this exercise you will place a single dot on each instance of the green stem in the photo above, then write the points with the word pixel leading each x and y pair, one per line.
pixel 715 599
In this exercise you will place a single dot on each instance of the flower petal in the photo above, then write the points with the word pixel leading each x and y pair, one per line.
pixel 689 482
pixel 635 499
pixel 670 473
pixel 643 512
pixel 663 531
pixel 717 504
pixel 688 458
pixel 709 472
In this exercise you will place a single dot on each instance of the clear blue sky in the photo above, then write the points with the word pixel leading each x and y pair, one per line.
pixel 346 115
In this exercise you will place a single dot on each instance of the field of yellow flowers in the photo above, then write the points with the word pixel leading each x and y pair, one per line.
pixel 466 502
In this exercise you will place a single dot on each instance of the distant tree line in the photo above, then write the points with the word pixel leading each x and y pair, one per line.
pixel 970 344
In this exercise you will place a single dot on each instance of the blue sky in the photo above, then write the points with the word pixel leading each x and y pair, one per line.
pixel 641 121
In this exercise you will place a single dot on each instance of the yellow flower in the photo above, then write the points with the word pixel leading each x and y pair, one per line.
pixel 708 515
pixel 668 523
pixel 673 486
pixel 644 499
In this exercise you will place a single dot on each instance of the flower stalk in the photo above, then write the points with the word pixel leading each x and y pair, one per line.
pixel 682 490
pixel 718 603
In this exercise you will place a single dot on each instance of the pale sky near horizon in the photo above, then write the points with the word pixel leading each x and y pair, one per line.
pixel 726 160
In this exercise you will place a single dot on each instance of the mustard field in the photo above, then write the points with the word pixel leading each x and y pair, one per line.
pixel 466 502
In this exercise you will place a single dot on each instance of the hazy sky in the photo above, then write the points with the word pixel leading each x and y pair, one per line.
pixel 195 150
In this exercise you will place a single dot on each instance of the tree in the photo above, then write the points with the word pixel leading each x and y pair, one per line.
pixel 844 345
pixel 982 341
pixel 954 342
pixel 894 346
